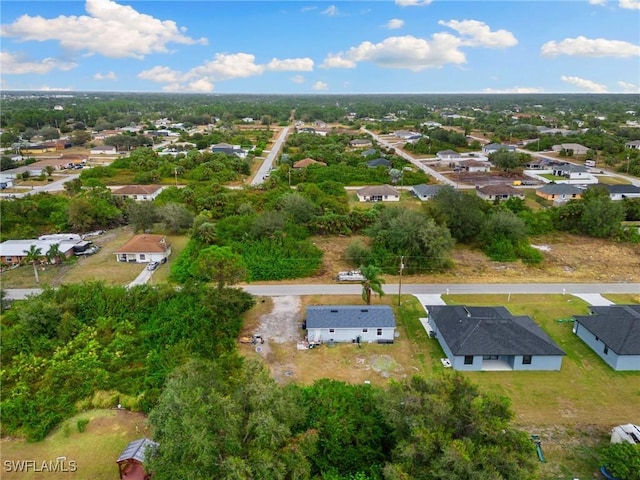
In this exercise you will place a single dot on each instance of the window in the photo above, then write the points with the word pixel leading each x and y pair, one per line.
pixel 379 332
pixel 490 357
pixel 468 359
pixel 606 350
pixel 332 330
pixel 526 359
pixel 9 259
pixel 142 257
pixel 365 330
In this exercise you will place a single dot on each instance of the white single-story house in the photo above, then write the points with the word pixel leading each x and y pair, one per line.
pixel 628 433
pixel 378 193
pixel 229 150
pixel 103 150
pixel 496 147
pixel 447 155
pixel 491 338
pixel 350 323
pixel 139 192
pixel 620 192
pixel 144 248
pixel 498 192
pixel 360 143
pixel 13 252
pixel 613 332
pixel 576 148
pixel 633 144
pixel 425 192
pixel 475 166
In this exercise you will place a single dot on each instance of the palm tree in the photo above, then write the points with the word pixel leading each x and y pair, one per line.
pixel 33 255
pixel 54 254
pixel 371 282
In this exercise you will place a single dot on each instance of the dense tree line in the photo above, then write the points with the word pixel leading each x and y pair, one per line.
pixel 64 347
pixel 229 420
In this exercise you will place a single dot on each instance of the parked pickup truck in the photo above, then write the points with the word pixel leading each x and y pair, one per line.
pixel 352 276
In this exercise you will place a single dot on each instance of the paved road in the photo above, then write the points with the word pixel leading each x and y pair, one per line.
pixel 55 186
pixel 417 289
pixel 268 162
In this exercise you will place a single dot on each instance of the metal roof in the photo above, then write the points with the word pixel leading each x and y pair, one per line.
pixel 137 450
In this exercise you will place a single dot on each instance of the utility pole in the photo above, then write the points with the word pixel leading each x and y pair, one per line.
pixel 175 172
pixel 400 282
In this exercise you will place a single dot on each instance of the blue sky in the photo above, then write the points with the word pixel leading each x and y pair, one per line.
pixel 269 46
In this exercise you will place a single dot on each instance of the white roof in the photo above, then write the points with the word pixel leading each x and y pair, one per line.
pixel 16 248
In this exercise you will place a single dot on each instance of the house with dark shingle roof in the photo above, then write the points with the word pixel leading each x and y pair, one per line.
pixel 613 332
pixel 425 192
pixel 491 338
pixel 132 459
pixel 496 147
pixel 368 152
pixel 144 248
pixel 378 193
pixel 139 192
pixel 378 162
pixel 350 323
pixel 620 192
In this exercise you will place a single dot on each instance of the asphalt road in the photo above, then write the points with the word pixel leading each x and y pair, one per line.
pixel 268 161
pixel 423 288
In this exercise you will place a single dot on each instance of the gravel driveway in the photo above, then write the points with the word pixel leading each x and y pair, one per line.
pixel 282 324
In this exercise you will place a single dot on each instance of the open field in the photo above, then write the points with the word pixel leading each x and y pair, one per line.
pixel 572 410
pixel 94 451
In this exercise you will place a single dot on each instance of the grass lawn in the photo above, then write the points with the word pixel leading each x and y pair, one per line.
pixel 610 180
pixel 94 451
pixel 553 178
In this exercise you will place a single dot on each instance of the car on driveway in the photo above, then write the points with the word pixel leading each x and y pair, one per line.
pixel 153 265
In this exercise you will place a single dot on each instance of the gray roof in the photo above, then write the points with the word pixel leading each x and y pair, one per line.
pixel 17 248
pixel 137 450
pixel 618 326
pixel 560 188
pixel 350 316
pixel 623 189
pixel 490 331
pixel 370 151
pixel 379 161
pixel 378 190
pixel 424 190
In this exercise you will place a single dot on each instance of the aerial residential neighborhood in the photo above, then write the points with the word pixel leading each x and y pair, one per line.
pixel 363 240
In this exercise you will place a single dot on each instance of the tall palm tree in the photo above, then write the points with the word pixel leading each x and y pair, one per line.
pixel 371 282
pixel 54 254
pixel 33 255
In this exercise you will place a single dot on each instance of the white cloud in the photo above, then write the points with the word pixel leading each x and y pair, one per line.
pixel 291 64
pixel 585 84
pixel 297 79
pixel 514 90
pixel 630 4
pixel 105 76
pixel 413 3
pixel 394 24
pixel 319 86
pixel 479 34
pixel 109 29
pixel 628 87
pixel 224 66
pixel 590 47
pixel 16 65
pixel 46 88
pixel 402 52
pixel 332 11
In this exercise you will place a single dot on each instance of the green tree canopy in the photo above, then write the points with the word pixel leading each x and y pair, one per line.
pixel 221 265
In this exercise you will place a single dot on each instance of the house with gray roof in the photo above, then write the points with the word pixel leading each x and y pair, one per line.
pixel 633 144
pixel 228 149
pixel 447 154
pixel 350 323
pixel 613 332
pixel 572 148
pixel 498 192
pixel 132 459
pixel 491 338
pixel 425 192
pixel 368 152
pixel 620 192
pixel 378 162
pixel 496 147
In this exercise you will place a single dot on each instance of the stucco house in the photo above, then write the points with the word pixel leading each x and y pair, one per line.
pixel 229 150
pixel 559 192
pixel 491 338
pixel 575 148
pixel 350 323
pixel 613 332
pixel 498 192
pixel 425 192
pixel 633 144
pixel 103 150
pixel 378 193
pixel 447 155
pixel 360 143
pixel 620 192
pixel 474 166
pixel 139 192
pixel 144 248
pixel 496 147
pixel 13 252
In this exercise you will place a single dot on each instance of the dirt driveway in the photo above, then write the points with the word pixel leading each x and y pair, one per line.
pixel 281 325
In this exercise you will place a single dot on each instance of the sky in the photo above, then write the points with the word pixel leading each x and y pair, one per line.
pixel 311 47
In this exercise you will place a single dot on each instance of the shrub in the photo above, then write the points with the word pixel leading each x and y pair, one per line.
pixel 82 424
